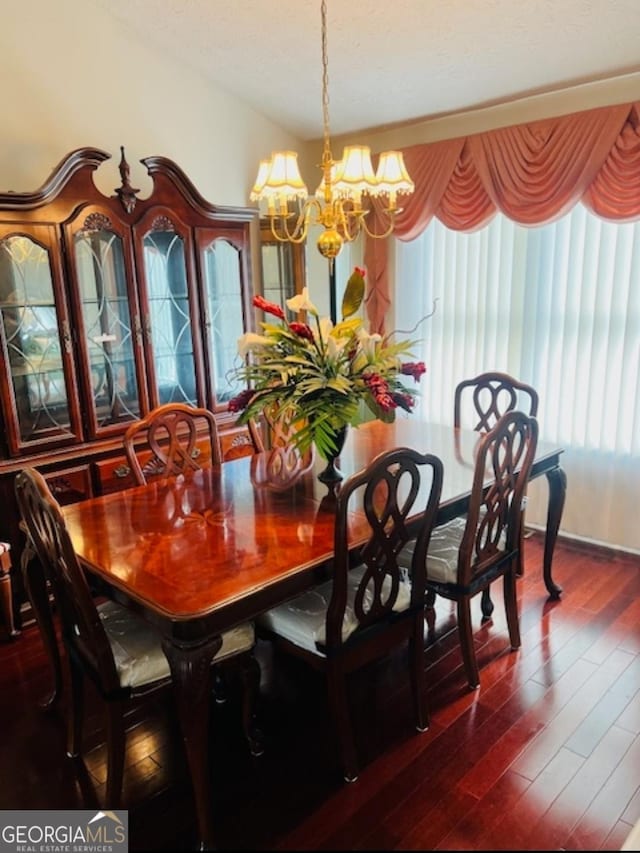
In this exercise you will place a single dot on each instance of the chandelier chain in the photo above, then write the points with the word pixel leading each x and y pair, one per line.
pixel 325 83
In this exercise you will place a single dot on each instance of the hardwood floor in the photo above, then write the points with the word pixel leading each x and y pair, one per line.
pixel 544 756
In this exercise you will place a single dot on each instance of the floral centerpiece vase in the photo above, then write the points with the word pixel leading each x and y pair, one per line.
pixel 313 376
pixel 331 474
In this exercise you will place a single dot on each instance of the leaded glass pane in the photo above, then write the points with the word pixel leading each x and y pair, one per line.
pixel 30 323
pixel 170 325
pixel 224 299
pixel 107 320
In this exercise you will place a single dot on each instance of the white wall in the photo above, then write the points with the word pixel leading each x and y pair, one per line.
pixel 73 76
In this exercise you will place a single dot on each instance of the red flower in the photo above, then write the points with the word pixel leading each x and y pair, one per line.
pixel 379 389
pixel 241 400
pixel 413 368
pixel 405 401
pixel 268 307
pixel 302 330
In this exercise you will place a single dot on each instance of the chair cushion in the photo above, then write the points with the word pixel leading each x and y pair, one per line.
pixel 137 646
pixel 442 557
pixel 237 640
pixel 302 620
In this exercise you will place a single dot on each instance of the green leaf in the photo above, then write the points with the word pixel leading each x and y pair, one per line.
pixel 353 295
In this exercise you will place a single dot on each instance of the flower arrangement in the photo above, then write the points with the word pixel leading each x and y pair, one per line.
pixel 314 375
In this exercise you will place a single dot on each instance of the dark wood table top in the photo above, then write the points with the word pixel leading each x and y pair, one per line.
pixel 200 553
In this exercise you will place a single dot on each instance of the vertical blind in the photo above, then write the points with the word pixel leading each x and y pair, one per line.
pixel 557 306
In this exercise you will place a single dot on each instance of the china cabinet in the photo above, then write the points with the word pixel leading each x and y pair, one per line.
pixel 109 307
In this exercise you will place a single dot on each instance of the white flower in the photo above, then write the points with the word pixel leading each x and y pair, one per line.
pixel 368 342
pixel 324 331
pixel 302 303
pixel 250 340
pixel 335 346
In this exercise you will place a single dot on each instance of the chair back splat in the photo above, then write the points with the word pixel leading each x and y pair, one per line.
pixel 486 397
pixel 166 442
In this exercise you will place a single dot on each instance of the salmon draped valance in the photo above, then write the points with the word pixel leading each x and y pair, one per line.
pixel 533 173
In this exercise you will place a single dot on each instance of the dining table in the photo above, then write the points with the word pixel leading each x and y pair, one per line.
pixel 201 552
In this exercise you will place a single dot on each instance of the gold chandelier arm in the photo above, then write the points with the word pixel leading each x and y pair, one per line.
pixel 285 237
pixel 298 234
pixel 389 230
pixel 349 222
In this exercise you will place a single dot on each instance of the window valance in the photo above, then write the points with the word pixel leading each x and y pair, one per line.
pixel 533 173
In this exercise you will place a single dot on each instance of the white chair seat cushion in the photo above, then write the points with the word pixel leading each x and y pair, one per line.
pixel 237 640
pixel 137 646
pixel 302 620
pixel 442 557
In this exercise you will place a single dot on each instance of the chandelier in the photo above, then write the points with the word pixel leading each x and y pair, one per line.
pixel 337 205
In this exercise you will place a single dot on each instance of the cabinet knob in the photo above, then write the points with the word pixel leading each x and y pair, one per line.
pixel 122 471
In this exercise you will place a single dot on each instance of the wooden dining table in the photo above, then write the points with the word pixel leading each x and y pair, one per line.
pixel 197 554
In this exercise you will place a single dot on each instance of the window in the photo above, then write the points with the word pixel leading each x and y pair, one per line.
pixel 557 306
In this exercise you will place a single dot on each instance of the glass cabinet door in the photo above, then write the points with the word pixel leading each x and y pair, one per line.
pixel 168 313
pixel 111 333
pixel 224 314
pixel 39 403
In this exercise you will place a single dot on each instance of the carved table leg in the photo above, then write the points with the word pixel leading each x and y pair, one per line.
pixel 191 672
pixel 557 480
pixel 5 591
pixel 35 584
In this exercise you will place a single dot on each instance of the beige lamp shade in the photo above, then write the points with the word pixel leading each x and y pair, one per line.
pixel 357 175
pixel 261 179
pixel 392 174
pixel 283 180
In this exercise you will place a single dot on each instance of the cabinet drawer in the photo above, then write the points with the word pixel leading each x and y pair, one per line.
pixel 115 474
pixel 71 484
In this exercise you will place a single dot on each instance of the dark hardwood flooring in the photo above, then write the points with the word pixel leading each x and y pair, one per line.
pixel 544 756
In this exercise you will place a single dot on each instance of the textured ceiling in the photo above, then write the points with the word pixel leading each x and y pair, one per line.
pixel 390 61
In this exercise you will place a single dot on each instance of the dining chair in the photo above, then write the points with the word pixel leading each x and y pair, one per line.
pixel 167 442
pixel 119 651
pixel 466 555
pixel 479 403
pixel 369 606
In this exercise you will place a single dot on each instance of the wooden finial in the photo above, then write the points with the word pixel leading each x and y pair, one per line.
pixel 126 193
